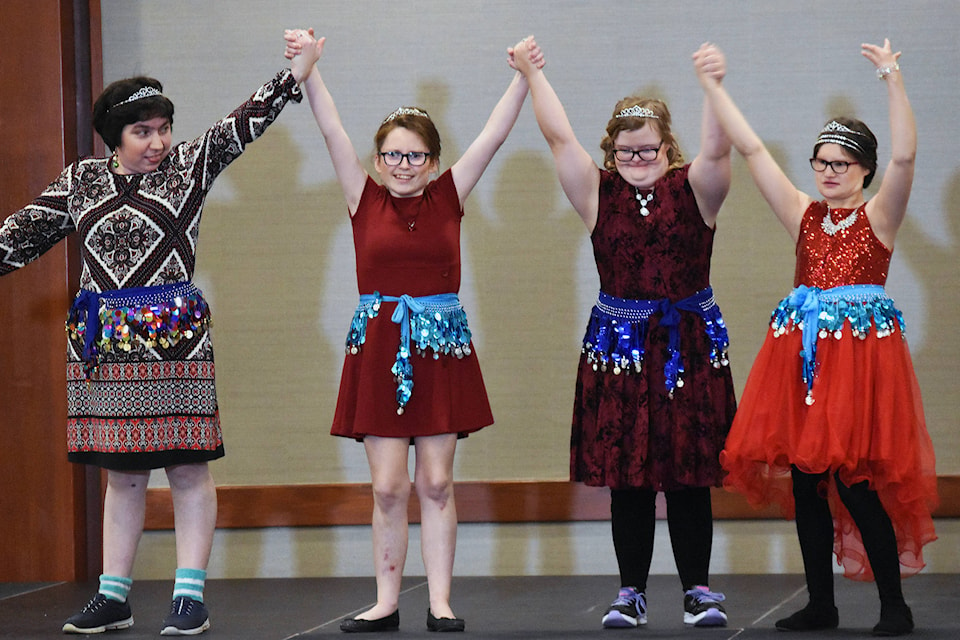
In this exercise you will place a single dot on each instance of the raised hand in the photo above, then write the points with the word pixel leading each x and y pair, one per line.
pixel 302 50
pixel 527 54
pixel 710 63
pixel 881 57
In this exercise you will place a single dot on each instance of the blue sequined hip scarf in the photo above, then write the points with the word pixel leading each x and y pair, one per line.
pixel 819 313
pixel 161 316
pixel 434 323
pixel 617 332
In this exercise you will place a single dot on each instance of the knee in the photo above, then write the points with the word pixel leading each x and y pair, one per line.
pixel 187 477
pixel 435 488
pixel 391 494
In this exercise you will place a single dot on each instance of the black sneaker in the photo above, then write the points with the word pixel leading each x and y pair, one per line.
pixel 702 608
pixel 628 610
pixel 188 617
pixel 99 615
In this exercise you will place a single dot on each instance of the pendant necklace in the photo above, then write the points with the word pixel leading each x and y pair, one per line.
pixel 644 201
pixel 831 228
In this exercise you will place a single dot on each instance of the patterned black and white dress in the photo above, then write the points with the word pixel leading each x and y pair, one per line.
pixel 144 396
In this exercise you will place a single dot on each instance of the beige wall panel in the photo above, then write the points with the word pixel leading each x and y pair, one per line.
pixel 276 259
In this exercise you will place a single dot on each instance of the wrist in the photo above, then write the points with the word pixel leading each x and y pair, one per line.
pixel 886 70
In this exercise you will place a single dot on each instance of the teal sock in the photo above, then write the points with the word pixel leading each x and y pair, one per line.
pixel 115 587
pixel 190 583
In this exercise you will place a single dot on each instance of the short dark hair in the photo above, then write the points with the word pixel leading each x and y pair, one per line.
pixel 110 117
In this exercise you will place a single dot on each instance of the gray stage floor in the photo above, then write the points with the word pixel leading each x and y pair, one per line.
pixel 567 607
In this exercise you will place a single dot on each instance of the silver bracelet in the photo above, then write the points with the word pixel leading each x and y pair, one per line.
pixel 883 72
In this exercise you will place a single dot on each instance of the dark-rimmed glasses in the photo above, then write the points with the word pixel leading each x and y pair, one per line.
pixel 647 155
pixel 395 158
pixel 838 166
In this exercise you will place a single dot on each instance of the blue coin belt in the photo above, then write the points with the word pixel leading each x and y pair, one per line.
pixel 819 313
pixel 435 323
pixel 617 332
pixel 157 316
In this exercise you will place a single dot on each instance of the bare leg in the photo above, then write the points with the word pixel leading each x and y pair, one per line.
pixel 433 481
pixel 194 513
pixel 123 510
pixel 387 458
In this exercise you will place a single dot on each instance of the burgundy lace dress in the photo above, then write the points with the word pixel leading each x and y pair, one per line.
pixel 628 432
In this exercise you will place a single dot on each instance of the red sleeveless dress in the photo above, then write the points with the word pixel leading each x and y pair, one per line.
pixel 866 420
pixel 395 257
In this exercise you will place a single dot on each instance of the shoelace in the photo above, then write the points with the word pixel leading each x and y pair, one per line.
pixel 95 604
pixel 700 596
pixel 628 598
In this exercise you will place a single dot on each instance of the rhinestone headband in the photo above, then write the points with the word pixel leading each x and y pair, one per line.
pixel 141 93
pixel 636 111
pixel 405 111
pixel 839 134
pixel 835 127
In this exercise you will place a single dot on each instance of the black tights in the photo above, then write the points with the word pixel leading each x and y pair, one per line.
pixel 815 532
pixel 689 520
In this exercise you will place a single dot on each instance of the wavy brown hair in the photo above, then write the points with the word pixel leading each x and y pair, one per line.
pixel 661 124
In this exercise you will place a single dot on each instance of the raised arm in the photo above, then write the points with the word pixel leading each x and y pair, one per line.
pixel 346 163
pixel 578 173
pixel 467 170
pixel 710 170
pixel 888 207
pixel 788 203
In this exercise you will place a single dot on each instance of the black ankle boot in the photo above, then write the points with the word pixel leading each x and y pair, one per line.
pixel 811 618
pixel 895 620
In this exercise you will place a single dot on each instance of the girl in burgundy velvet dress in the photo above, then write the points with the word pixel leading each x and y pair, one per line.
pixel 654 397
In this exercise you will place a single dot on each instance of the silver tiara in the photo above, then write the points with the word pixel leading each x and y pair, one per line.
pixel 636 111
pixel 835 127
pixel 141 93
pixel 405 111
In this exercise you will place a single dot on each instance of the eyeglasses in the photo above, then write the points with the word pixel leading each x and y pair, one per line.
pixel 838 166
pixel 395 158
pixel 647 155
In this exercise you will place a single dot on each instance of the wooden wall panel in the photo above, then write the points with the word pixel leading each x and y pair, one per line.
pixel 532 501
pixel 43 530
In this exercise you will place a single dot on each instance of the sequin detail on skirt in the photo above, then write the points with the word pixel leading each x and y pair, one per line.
pixel 820 313
pixel 436 324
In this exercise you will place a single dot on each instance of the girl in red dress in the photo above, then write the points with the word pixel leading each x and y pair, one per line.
pixel 837 435
pixel 407 237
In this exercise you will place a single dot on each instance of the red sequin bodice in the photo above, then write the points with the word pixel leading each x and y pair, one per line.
pixel 852 254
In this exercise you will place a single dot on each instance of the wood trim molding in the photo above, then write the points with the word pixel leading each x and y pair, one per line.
pixel 251 507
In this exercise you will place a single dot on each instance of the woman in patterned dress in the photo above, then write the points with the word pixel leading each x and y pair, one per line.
pixel 140 370
pixel 654 397
pixel 406 234
pixel 843 422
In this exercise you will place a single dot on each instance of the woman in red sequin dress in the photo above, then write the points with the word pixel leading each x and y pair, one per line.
pixel 837 435
pixel 407 238
pixel 654 397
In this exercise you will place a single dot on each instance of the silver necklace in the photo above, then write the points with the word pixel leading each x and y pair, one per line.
pixel 644 201
pixel 831 228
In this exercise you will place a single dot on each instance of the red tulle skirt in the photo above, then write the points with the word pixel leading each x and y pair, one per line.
pixel 866 423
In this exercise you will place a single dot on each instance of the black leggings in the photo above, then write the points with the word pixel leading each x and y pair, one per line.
pixel 815 532
pixel 689 520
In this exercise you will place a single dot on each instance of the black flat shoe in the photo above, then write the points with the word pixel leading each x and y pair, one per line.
pixel 811 618
pixel 359 625
pixel 444 624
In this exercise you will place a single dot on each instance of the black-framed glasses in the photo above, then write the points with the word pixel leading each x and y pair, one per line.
pixel 838 166
pixel 647 154
pixel 395 158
